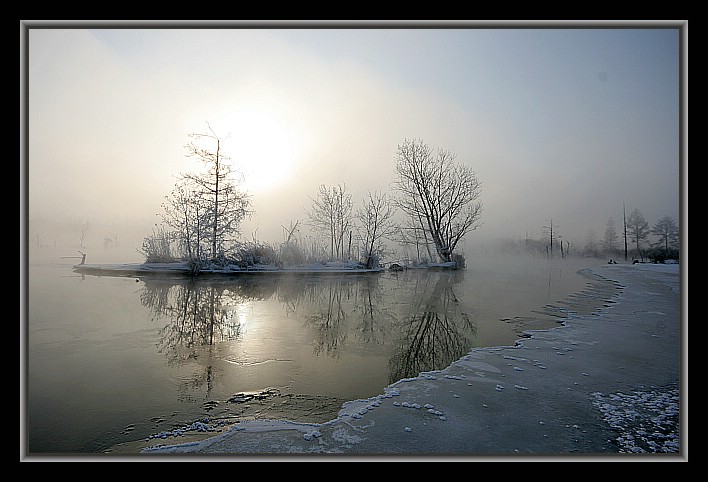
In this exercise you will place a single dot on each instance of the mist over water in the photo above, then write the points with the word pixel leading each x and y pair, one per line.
pixel 117 359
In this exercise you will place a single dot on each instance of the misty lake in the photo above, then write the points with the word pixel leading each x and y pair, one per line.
pixel 111 360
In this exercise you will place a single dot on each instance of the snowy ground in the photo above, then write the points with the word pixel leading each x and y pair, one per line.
pixel 605 384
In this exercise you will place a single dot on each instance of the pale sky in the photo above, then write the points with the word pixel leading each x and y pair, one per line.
pixel 558 123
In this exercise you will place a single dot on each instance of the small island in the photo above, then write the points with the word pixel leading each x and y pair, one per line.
pixel 186 269
pixel 434 205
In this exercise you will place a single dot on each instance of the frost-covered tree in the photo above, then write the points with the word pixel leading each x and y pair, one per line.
pixel 214 192
pixel 638 229
pixel 375 224
pixel 438 194
pixel 331 216
pixel 667 232
pixel 184 212
pixel 205 208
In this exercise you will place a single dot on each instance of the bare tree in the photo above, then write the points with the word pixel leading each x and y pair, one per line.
pixel 638 229
pixel 331 215
pixel 84 229
pixel 564 251
pixel 376 221
pixel 440 195
pixel 290 232
pixel 184 211
pixel 216 190
pixel 551 233
pixel 668 233
pixel 409 235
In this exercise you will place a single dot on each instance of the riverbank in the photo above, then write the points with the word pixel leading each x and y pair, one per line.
pixel 605 384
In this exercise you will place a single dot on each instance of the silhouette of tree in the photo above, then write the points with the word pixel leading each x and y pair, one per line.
pixel 440 195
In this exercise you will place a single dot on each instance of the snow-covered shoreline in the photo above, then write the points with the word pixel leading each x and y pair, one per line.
pixel 184 268
pixel 555 393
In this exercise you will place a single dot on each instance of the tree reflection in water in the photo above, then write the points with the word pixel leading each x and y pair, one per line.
pixel 200 311
pixel 415 317
pixel 339 307
pixel 436 332
pixel 329 321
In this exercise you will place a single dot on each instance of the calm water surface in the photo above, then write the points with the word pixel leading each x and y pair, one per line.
pixel 117 359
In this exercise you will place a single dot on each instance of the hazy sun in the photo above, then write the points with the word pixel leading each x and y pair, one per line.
pixel 260 147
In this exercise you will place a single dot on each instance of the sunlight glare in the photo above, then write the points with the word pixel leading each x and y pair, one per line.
pixel 259 147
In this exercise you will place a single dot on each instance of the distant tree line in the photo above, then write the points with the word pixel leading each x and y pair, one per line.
pixel 636 240
pixel 433 204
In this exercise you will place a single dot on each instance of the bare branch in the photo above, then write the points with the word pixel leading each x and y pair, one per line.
pixel 439 194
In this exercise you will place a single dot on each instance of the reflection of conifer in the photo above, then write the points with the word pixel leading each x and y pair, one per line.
pixel 195 313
